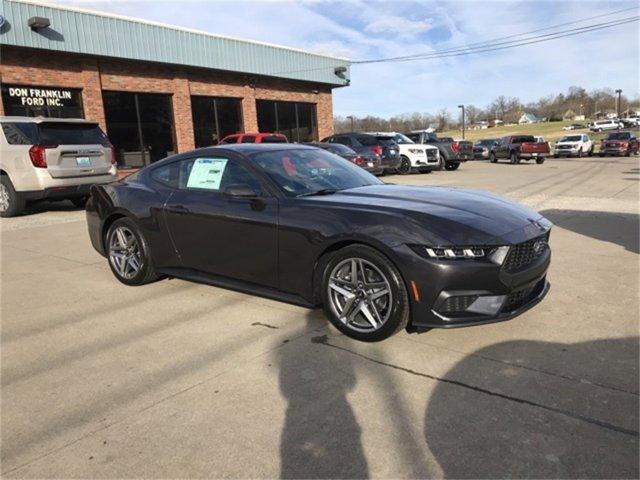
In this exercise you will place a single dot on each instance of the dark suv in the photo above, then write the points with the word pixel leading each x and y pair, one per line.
pixel 382 146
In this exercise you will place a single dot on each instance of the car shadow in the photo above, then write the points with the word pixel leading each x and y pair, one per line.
pixel 321 437
pixel 509 410
pixel 619 228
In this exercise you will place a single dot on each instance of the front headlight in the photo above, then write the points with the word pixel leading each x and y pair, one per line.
pixel 416 151
pixel 496 255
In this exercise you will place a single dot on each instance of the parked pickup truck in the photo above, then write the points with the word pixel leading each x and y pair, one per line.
pixel 619 143
pixel 574 146
pixel 451 152
pixel 519 147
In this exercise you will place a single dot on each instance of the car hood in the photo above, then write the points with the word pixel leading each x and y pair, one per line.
pixel 454 216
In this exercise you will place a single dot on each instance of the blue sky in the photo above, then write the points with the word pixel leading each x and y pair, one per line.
pixel 373 29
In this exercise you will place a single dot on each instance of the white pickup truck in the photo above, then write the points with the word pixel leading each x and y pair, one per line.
pixel 415 157
pixel 574 146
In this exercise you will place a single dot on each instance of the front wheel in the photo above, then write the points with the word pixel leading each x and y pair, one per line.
pixel 405 166
pixel 11 202
pixel 493 158
pixel 363 294
pixel 128 253
pixel 451 166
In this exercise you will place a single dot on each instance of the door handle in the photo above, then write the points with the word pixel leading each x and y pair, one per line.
pixel 177 209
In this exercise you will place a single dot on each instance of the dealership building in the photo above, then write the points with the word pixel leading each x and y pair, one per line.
pixel 157 89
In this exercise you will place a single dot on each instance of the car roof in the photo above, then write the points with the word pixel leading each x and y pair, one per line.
pixel 43 119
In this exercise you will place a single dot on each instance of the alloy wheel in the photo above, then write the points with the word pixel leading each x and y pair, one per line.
pixel 124 253
pixel 360 295
pixel 405 166
pixel 4 198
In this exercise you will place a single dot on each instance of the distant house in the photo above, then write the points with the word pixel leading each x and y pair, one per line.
pixel 568 115
pixel 530 118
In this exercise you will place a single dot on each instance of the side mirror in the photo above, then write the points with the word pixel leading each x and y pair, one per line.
pixel 240 190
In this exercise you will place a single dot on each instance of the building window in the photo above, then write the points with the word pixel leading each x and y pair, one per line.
pixel 214 118
pixel 140 126
pixel 295 120
pixel 30 101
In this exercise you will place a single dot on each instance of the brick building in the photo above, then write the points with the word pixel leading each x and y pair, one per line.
pixel 157 89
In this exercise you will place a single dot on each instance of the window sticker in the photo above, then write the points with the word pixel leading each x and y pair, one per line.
pixel 206 173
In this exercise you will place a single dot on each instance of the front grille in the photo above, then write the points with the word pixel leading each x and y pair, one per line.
pixel 456 306
pixel 431 154
pixel 524 253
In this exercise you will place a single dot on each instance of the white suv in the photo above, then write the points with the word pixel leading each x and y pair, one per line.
pixel 606 125
pixel 51 158
pixel 414 156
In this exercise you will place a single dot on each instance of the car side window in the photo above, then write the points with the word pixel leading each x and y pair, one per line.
pixel 212 174
pixel 20 133
pixel 167 175
pixel 343 140
pixel 248 139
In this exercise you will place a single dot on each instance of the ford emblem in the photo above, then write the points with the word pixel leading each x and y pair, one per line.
pixel 538 247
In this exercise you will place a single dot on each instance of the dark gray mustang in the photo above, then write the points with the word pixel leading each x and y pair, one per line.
pixel 303 225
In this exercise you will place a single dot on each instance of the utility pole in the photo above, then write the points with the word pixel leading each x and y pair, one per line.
pixel 619 92
pixel 462 107
pixel 350 117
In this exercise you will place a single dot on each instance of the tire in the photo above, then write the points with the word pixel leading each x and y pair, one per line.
pixel 590 152
pixel 132 246
pixel 392 308
pixel 451 166
pixel 79 202
pixel 539 161
pixel 405 166
pixel 514 158
pixel 580 153
pixel 11 202
pixel 492 158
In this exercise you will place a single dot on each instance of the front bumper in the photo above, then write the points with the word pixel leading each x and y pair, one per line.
pixel 566 151
pixel 442 283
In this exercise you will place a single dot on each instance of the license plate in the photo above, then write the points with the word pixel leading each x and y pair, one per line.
pixel 369 164
pixel 83 161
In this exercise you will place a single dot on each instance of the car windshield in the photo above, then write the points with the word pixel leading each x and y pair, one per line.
pixel 311 171
pixel 571 138
pixel 619 136
pixel 402 139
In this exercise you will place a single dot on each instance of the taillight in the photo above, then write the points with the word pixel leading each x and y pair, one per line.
pixel 38 155
pixel 114 159
pixel 377 150
pixel 455 146
pixel 359 161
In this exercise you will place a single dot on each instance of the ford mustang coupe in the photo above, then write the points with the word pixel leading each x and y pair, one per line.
pixel 302 225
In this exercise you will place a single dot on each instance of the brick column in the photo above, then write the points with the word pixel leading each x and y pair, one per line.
pixel 92 93
pixel 249 113
pixel 182 116
pixel 324 111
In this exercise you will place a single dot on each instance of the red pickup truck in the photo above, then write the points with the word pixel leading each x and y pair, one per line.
pixel 519 147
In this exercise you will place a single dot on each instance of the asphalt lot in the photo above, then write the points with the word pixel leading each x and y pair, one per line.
pixel 176 379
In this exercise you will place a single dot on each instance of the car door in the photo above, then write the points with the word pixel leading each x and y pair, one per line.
pixel 502 149
pixel 222 234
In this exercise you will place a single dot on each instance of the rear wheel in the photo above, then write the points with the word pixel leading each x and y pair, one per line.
pixel 11 202
pixel 363 294
pixel 405 166
pixel 580 153
pixel 451 166
pixel 128 253
pixel 514 158
pixel 539 161
pixel 591 152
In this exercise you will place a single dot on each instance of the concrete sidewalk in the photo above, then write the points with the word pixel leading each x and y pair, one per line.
pixel 176 379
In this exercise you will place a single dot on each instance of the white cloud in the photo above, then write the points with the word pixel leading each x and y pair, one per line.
pixel 397 25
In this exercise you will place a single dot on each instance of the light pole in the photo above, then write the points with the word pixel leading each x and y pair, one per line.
pixel 619 92
pixel 350 117
pixel 462 107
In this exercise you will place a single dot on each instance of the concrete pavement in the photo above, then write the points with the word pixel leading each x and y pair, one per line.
pixel 176 379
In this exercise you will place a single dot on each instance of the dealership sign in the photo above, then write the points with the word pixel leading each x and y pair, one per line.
pixel 46 101
pixel 40 97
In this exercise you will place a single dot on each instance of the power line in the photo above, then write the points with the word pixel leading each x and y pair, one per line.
pixel 469 45
pixel 489 47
